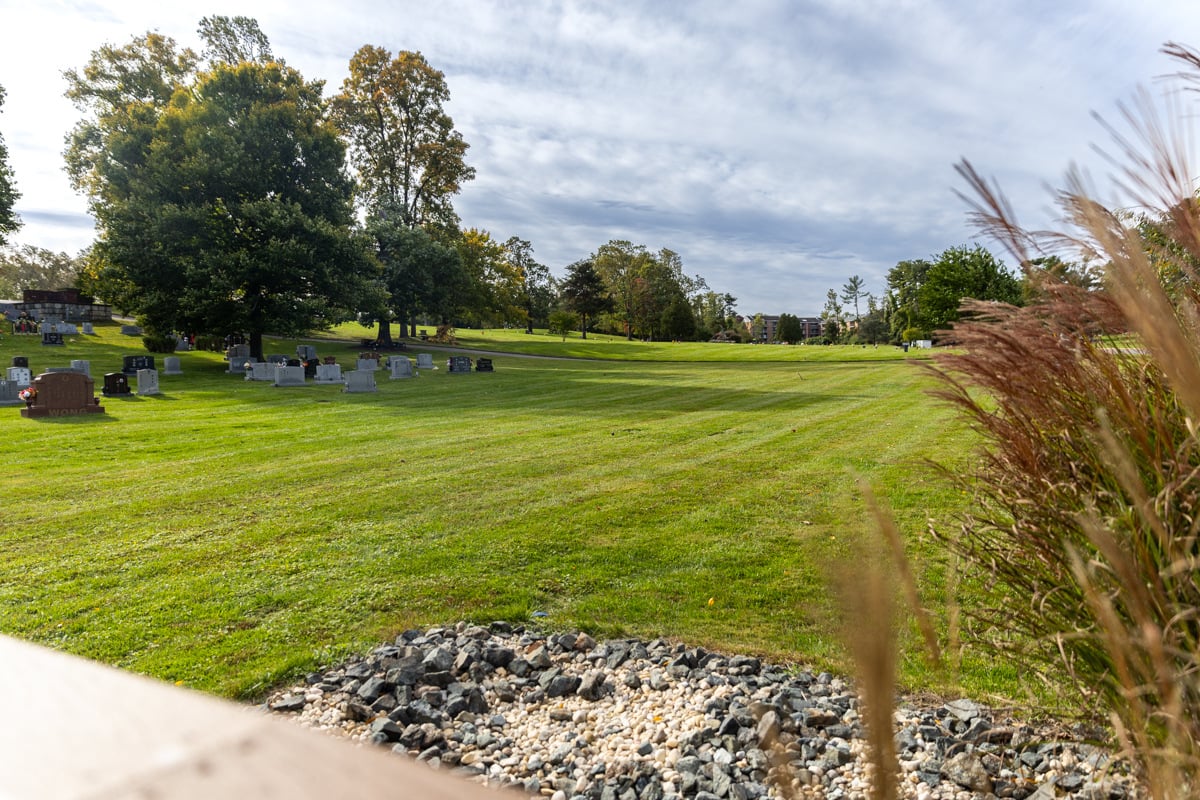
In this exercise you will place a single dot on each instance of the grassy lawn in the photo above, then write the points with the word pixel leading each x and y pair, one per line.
pixel 228 534
pixel 618 348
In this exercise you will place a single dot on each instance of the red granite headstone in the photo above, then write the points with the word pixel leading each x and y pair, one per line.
pixel 62 394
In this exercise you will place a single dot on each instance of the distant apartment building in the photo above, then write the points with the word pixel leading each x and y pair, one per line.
pixel 811 327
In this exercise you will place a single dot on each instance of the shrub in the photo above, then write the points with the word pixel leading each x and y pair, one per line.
pixel 157 343
pixel 1084 535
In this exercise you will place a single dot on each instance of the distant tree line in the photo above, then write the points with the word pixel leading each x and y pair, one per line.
pixel 223 202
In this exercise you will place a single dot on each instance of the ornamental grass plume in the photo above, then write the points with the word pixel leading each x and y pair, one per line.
pixel 1082 543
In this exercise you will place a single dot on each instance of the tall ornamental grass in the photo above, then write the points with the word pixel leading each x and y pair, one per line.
pixel 1083 539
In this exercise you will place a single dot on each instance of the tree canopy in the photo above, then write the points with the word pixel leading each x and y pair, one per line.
pixel 221 196
pixel 584 292
pixel 408 155
pixel 9 221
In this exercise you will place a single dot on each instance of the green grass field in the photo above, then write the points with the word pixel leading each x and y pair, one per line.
pixel 229 534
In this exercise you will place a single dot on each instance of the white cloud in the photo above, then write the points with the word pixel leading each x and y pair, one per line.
pixel 778 146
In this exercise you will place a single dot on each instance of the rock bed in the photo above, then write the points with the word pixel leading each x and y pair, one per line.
pixel 566 717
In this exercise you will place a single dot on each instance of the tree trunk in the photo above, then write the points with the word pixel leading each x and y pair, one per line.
pixel 256 345
pixel 384 337
pixel 583 327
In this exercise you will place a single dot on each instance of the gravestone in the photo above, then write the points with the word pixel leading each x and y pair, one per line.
pixel 237 352
pixel 147 382
pixel 171 366
pixel 79 365
pixel 116 384
pixel 458 365
pixel 20 361
pixel 261 371
pixel 238 366
pixel 52 338
pixel 277 358
pixel 306 352
pixel 62 394
pixel 360 380
pixel 310 368
pixel 8 393
pixel 329 373
pixel 289 376
pixel 89 329
pixel 294 362
pixel 329 360
pixel 131 330
pixel 425 361
pixel 22 376
pixel 401 367
pixel 131 364
pixel 65 328
pixel 366 365
pixel 484 365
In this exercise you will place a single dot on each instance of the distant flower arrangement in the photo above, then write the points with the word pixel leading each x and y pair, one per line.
pixel 28 394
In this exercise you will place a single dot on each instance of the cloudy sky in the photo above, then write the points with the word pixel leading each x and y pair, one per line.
pixel 779 147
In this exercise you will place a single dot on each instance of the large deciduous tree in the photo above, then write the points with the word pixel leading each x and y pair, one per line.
pixel 30 267
pixel 408 155
pixel 221 197
pixel 583 291
pixel 536 291
pixel 960 273
pixel 9 221
pixel 420 274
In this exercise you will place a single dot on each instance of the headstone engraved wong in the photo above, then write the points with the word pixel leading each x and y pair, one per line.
pixel 289 376
pixel 8 393
pixel 360 380
pixel 147 381
pixel 116 384
pixel 131 364
pixel 458 365
pixel 171 366
pixel 329 373
pixel 79 365
pixel 52 338
pixel 425 361
pixel 62 394
pixel 484 365
pixel 401 367
pixel 22 376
